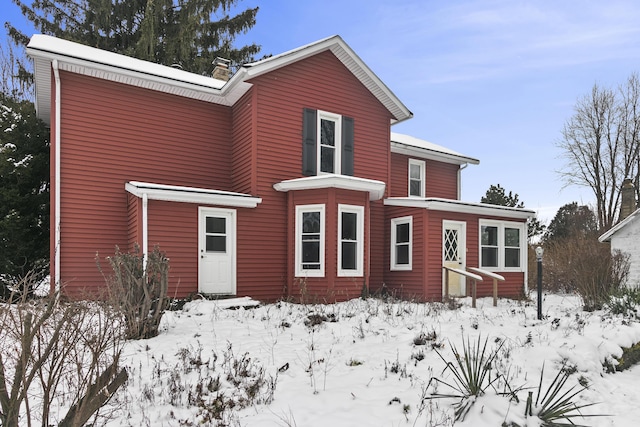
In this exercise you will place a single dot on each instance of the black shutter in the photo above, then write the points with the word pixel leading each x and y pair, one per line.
pixel 309 150
pixel 347 146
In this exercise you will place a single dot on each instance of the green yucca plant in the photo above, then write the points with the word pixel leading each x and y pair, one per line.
pixel 471 374
pixel 557 408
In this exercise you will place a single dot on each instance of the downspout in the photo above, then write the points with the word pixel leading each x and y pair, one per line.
pixel 464 166
pixel 145 229
pixel 56 74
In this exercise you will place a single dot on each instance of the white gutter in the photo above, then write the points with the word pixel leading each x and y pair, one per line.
pixel 56 279
pixel 145 230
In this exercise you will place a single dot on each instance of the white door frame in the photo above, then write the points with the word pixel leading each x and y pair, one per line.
pixel 462 251
pixel 231 243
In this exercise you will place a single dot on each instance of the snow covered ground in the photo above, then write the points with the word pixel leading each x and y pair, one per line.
pixel 369 363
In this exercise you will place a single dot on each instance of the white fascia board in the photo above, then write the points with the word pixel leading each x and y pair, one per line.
pixel 174 193
pixel 373 187
pixel 619 226
pixel 424 153
pixel 448 205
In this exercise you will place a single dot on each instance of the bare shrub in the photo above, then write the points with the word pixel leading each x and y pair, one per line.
pixel 57 355
pixel 584 265
pixel 139 291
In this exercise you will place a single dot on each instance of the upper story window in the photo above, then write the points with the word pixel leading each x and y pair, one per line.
pixel 416 178
pixel 329 130
pixel 350 240
pixel 401 243
pixel 309 246
pixel 327 143
pixel 502 245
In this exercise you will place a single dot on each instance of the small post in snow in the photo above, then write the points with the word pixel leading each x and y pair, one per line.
pixel 539 252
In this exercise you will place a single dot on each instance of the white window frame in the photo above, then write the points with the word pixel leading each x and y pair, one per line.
pixel 422 165
pixel 300 271
pixel 359 211
pixel 501 225
pixel 337 119
pixel 394 266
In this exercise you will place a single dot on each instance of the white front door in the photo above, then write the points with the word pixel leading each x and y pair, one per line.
pixel 217 251
pixel 453 252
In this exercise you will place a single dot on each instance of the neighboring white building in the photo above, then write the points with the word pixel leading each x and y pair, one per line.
pixel 625 237
pixel 625 234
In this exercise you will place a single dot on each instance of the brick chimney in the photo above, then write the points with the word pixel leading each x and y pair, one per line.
pixel 628 204
pixel 221 69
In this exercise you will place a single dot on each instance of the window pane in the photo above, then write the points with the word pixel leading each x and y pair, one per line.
pixel 326 159
pixel 489 235
pixel 489 257
pixel 349 251
pixel 415 188
pixel 311 252
pixel 512 237
pixel 512 257
pixel 402 254
pixel 327 132
pixel 311 222
pixel 414 172
pixel 216 244
pixel 402 233
pixel 349 221
pixel 216 225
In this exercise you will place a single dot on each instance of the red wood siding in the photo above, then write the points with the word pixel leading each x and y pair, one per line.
pixel 173 227
pixel 406 284
pixel 278 99
pixel 113 133
pixel 244 145
pixel 377 244
pixel 441 178
pixel 134 216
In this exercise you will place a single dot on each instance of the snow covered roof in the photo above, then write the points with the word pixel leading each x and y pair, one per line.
pixel 449 205
pixel 606 237
pixel 48 51
pixel 411 146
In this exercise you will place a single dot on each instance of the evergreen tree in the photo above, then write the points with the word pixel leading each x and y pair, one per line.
pixel 24 193
pixel 496 195
pixel 167 32
pixel 572 220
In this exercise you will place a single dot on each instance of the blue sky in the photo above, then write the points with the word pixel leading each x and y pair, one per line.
pixel 492 79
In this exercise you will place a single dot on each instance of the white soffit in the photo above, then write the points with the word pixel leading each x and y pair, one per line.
pixel 414 147
pixel 174 193
pixel 447 205
pixel 373 187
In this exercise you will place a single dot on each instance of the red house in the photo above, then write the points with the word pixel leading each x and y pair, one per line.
pixel 283 179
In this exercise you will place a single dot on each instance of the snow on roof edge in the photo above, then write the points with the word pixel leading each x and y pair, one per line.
pixel 57 46
pixel 431 147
